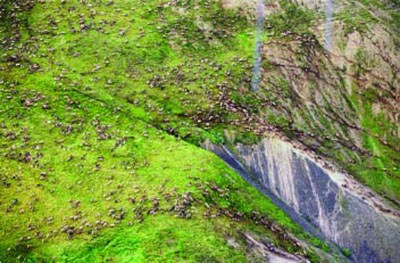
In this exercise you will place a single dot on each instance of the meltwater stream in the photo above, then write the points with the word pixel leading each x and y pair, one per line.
pixel 316 198
pixel 258 48
pixel 328 25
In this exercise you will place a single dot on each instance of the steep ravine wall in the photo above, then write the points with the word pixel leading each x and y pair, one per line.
pixel 317 197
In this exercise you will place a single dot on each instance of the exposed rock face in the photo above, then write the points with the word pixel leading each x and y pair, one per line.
pixel 321 197
pixel 341 102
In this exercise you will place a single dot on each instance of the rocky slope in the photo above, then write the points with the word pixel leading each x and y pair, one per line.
pixel 103 97
pixel 342 103
pixel 345 212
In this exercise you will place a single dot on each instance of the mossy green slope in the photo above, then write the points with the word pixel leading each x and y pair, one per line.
pixel 87 175
pixel 91 93
pixel 72 167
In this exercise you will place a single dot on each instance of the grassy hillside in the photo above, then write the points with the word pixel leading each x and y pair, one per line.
pixel 74 168
pixel 185 68
pixel 88 170
pixel 104 102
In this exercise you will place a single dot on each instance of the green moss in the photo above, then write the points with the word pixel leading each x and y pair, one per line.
pixel 90 124
pixel 346 252
pixel 157 239
pixel 113 107
pixel 292 19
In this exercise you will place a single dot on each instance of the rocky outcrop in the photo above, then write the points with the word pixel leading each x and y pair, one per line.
pixel 341 102
pixel 269 252
pixel 345 212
